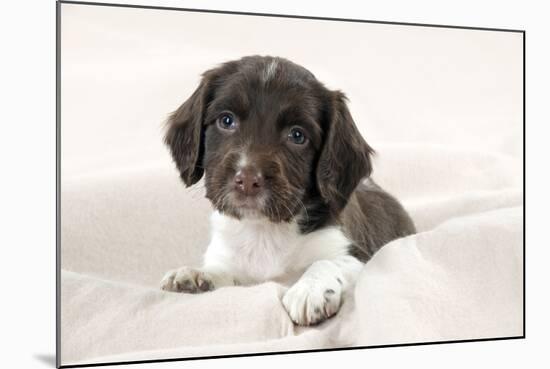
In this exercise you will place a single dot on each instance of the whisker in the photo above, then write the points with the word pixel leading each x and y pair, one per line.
pixel 302 205
pixel 289 211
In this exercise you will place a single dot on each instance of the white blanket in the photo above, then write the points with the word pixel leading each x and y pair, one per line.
pixel 446 125
pixel 460 277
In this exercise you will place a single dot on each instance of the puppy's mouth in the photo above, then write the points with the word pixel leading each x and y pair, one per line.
pixel 265 204
pixel 249 203
pixel 249 194
pixel 230 201
pixel 248 191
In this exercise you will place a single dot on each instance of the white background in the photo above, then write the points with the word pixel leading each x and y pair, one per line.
pixel 406 85
pixel 28 182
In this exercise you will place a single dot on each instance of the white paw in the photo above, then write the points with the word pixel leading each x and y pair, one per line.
pixel 187 280
pixel 312 301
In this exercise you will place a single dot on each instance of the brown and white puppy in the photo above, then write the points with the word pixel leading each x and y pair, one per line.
pixel 287 172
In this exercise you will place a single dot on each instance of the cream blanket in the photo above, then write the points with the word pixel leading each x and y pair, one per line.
pixel 441 107
pixel 460 277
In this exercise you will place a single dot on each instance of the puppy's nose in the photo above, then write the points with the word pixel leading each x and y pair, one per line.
pixel 249 181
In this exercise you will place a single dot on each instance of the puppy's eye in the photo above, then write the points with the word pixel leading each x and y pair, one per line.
pixel 297 136
pixel 227 121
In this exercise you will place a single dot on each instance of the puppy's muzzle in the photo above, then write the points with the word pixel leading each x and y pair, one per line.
pixel 249 181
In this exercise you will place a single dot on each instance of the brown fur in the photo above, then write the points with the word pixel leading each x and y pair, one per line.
pixel 317 183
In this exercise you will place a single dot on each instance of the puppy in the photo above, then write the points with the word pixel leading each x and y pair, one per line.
pixel 287 173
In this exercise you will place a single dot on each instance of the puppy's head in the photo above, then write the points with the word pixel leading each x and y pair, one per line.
pixel 270 140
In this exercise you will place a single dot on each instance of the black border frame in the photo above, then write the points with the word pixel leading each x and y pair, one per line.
pixel 58 180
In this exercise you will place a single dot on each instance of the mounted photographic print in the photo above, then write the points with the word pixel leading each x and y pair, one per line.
pixel 239 184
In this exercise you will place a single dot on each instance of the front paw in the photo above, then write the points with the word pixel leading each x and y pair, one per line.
pixel 310 301
pixel 187 280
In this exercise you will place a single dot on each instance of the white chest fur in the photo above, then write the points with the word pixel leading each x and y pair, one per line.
pixel 256 250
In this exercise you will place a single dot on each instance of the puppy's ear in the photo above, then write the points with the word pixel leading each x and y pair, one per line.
pixel 345 156
pixel 185 133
